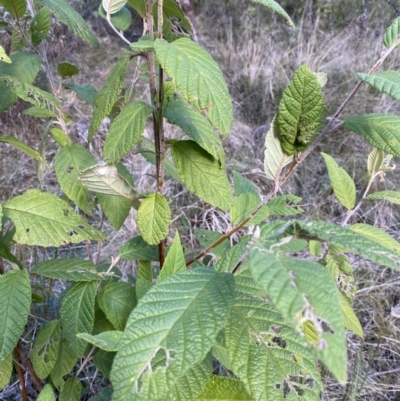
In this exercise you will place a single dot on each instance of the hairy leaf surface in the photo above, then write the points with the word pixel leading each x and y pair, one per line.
pixel 68 16
pixel 380 130
pixel 386 81
pixel 198 78
pixel 301 111
pixel 15 303
pixel 390 196
pixel 224 388
pixel 175 261
pixel 188 304
pixel 125 131
pixel 47 394
pixel 72 269
pixel 154 218
pixel 243 206
pixel 202 174
pixel 69 162
pixel 343 185
pixel 350 319
pixel 77 313
pixel 375 162
pixel 46 220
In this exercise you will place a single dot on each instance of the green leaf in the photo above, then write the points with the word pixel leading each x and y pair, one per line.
pixel 243 206
pixel 350 320
pixel 301 111
pixel 390 196
pixel 176 24
pixel 145 44
pixel 224 388
pixel 67 359
pixel 47 394
pixel 375 162
pixel 274 158
pixel 125 131
pixel 39 112
pixel 60 137
pixel 304 291
pixel 192 383
pixel 68 16
pixel 103 361
pixel 277 8
pixel 109 341
pixel 380 130
pixel 392 33
pixel 67 70
pixel 117 207
pixel 77 313
pixel 232 257
pixel 315 248
pixel 15 303
pixel 16 8
pixel 45 349
pixel 154 218
pixel 40 26
pixel 121 20
pixel 86 92
pixel 72 269
pixel 102 395
pixel 105 179
pixel 6 367
pixel 175 261
pixel 351 241
pixel 376 235
pixel 343 185
pixel 107 95
pixel 17 144
pixel 268 355
pixel 177 111
pixel 386 81
pixel 137 249
pixel 242 185
pixel 24 68
pixel 208 237
pixel 198 78
pixel 202 174
pixel 3 56
pixel 170 327
pixel 113 6
pixel 284 205
pixel 69 162
pixel 117 300
pixel 71 390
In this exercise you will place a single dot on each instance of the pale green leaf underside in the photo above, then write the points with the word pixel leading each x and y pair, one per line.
pixel 107 95
pixel 6 368
pixel 243 206
pixel 350 320
pixel 386 81
pixel 300 286
pixel 23 147
pixel 392 33
pixel 274 158
pixel 390 196
pixel 343 185
pixel 187 304
pixel 40 25
pixel 277 8
pixel 375 161
pixel 77 313
pixel 175 261
pixel 47 394
pixel 154 218
pixel 46 220
pixel 39 112
pixel 300 112
pixel 107 340
pixel 125 131
pixel 73 269
pixel 202 174
pixel 15 303
pixel 380 130
pixel 71 390
pixel 45 349
pixel 117 300
pixel 68 16
pixel 351 241
pixel 177 111
pixel 69 162
pixel 198 78
pixel 268 355
pixel 224 388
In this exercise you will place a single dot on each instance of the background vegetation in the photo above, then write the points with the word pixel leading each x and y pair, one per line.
pixel 258 56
